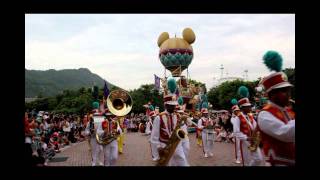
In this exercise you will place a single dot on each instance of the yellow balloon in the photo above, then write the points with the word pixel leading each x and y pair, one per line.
pixel 189 35
pixel 163 36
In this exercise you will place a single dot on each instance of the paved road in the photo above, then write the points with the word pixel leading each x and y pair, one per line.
pixel 137 153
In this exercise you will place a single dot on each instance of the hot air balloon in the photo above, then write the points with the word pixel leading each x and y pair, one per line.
pixel 176 54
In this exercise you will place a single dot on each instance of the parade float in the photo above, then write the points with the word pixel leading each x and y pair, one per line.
pixel 176 54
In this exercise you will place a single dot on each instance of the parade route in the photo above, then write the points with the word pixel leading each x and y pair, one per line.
pixel 137 153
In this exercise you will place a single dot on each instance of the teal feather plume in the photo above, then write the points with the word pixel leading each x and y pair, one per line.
pixel 172 86
pixel 273 60
pixel 243 91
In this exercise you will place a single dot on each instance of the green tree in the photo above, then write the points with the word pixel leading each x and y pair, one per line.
pixel 143 95
pixel 221 96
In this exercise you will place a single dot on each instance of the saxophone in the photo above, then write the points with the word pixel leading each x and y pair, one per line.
pixel 177 135
pixel 255 142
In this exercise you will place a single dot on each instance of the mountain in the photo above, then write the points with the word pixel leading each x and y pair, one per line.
pixel 52 82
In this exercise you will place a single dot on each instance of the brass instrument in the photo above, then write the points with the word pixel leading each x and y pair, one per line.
pixel 255 142
pixel 119 103
pixel 106 139
pixel 178 134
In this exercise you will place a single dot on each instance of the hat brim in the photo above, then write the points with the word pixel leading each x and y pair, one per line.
pixel 246 105
pixel 281 85
pixel 171 102
pixel 236 110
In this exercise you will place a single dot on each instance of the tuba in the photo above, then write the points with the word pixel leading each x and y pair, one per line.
pixel 177 135
pixel 119 103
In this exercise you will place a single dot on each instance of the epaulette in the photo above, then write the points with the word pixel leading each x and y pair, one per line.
pixel 268 106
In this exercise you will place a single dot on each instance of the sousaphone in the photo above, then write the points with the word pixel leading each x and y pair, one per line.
pixel 119 103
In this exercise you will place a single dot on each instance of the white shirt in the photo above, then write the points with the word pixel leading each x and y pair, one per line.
pixel 236 129
pixel 46 125
pixel 44 146
pixel 275 128
pixel 232 120
pixel 148 128
pixel 28 140
pixel 67 127
pixel 155 133
pixel 200 126
pixel 100 130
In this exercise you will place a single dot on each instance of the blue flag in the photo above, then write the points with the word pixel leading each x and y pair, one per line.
pixel 105 90
pixel 157 82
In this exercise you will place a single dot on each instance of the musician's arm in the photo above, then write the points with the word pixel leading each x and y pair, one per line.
pixel 155 133
pixel 200 124
pixel 119 130
pixel 100 131
pixel 87 130
pixel 254 124
pixel 236 129
pixel 270 125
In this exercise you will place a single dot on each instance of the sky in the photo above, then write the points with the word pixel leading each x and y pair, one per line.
pixel 122 48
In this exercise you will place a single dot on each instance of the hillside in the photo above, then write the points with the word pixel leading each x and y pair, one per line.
pixel 51 82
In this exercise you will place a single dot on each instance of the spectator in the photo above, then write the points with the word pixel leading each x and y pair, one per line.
pixel 66 127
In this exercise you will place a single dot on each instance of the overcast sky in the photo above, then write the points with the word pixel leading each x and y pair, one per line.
pixel 122 48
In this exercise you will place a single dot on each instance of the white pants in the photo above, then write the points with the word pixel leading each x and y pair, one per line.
pixel 154 150
pixel 110 153
pixel 96 150
pixel 251 158
pixel 178 158
pixel 186 147
pixel 237 149
pixel 148 129
pixel 207 143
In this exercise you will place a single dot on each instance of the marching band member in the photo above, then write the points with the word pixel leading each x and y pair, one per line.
pixel 85 122
pixel 198 132
pixel 152 114
pixel 95 149
pixel 276 120
pixel 205 124
pixel 185 143
pixel 163 126
pixel 120 139
pixel 110 150
pixel 154 149
pixel 244 126
pixel 235 112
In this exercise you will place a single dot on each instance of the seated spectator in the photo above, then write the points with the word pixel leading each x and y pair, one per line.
pixel 54 142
